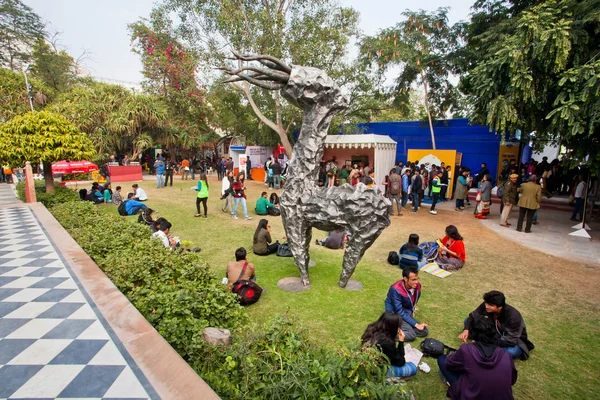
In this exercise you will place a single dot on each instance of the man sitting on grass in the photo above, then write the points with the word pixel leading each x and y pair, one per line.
pixel 509 324
pixel 263 204
pixel 164 228
pixel 140 194
pixel 234 268
pixel 132 206
pixel 335 240
pixel 402 299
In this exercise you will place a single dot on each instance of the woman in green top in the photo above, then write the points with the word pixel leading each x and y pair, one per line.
pixel 202 194
pixel 107 193
pixel 344 173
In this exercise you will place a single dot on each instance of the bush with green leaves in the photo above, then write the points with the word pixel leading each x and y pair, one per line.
pixel 60 195
pixel 180 296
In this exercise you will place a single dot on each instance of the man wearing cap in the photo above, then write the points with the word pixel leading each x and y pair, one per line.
pixel 509 198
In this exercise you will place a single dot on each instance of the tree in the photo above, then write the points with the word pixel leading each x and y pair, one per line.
pixel 539 71
pixel 56 68
pixel 44 137
pixel 20 27
pixel 303 32
pixel 115 118
pixel 13 94
pixel 170 71
pixel 423 46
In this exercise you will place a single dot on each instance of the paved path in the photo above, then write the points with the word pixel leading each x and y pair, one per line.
pixel 54 343
pixel 7 194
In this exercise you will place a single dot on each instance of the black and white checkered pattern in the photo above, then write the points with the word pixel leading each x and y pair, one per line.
pixel 53 345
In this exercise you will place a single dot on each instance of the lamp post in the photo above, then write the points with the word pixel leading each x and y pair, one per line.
pixel 28 86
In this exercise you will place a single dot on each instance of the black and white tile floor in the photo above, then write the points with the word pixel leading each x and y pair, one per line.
pixel 54 343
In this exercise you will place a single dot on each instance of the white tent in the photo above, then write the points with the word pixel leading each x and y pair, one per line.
pixel 381 147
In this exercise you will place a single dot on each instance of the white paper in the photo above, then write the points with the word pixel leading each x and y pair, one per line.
pixel 412 355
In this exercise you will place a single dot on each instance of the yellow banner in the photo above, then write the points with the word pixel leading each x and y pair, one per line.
pixel 507 153
pixel 436 157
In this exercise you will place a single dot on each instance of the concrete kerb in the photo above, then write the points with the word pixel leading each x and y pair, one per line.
pixel 170 376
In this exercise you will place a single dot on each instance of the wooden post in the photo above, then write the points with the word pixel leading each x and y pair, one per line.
pixel 29 185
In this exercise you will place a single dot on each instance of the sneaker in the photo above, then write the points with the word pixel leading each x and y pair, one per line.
pixel 433 212
pixel 235 217
pixel 247 218
pixel 413 211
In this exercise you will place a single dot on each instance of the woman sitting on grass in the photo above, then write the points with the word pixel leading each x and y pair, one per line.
pixel 451 253
pixel 385 333
pixel 262 240
pixel 410 253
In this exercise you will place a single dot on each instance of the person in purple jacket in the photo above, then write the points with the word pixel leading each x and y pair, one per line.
pixel 402 299
pixel 479 370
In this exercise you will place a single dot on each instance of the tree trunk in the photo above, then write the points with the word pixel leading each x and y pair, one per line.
pixel 48 177
pixel 427 110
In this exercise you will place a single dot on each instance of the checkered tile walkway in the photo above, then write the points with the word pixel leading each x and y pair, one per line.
pixel 7 194
pixel 54 343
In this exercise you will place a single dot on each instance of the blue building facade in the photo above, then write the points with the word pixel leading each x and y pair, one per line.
pixel 476 143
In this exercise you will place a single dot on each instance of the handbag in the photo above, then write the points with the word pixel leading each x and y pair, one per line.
pixel 248 291
pixel 435 348
pixel 478 197
pixel 284 250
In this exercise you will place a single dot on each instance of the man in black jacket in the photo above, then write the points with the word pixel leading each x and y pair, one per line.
pixel 508 321
pixel 417 187
pixel 276 167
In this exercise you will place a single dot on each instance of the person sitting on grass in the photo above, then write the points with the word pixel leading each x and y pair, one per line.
pixel 145 217
pixel 335 240
pixel 132 206
pixel 263 204
pixel 140 194
pixel 274 198
pixel 387 335
pixel 234 268
pixel 163 229
pixel 479 370
pixel 95 196
pixel 402 299
pixel 451 253
pixel 116 196
pixel 410 253
pixel 262 245
pixel 107 194
pixel 509 323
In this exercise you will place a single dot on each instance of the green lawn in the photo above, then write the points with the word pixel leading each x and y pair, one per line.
pixel 558 299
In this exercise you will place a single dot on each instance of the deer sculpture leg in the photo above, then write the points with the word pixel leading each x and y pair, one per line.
pixel 299 237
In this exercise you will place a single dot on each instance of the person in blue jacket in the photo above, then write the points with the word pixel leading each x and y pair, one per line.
pixel 405 184
pixel 133 206
pixel 159 166
pixel 402 299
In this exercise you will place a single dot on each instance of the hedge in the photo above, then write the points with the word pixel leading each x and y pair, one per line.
pixel 60 195
pixel 180 296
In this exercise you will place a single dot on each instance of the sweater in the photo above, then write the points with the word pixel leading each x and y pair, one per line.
pixel 399 301
pixel 486 191
pixel 131 204
pixel 262 205
pixel 260 246
pixel 417 255
pixel 392 350
pixel 483 375
pixel 457 246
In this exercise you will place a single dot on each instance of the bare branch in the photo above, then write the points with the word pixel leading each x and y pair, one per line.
pixel 275 75
pixel 258 57
pixel 261 83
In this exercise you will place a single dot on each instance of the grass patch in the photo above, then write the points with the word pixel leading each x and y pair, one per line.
pixel 559 299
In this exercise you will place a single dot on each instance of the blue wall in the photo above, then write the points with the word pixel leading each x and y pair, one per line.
pixel 476 143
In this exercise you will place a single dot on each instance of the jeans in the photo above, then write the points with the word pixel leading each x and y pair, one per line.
pixel 436 197
pixel 228 203
pixel 276 181
pixel 450 376
pixel 236 201
pixel 395 198
pixel 522 212
pixel 404 198
pixel 415 201
pixel 192 173
pixel 460 203
pixel 579 202
pixel 408 369
pixel 169 174
pixel 136 210
pixel 160 181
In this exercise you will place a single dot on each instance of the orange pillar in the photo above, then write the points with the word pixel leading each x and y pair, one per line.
pixel 29 185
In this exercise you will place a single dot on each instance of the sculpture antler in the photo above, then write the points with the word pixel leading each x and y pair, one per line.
pixel 274 77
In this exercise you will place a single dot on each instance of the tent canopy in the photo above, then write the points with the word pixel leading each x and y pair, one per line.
pixel 384 151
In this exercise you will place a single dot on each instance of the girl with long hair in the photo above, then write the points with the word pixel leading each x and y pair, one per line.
pixel 202 194
pixel 239 196
pixel 410 253
pixel 387 336
pixel 227 192
pixel 451 253
pixel 261 244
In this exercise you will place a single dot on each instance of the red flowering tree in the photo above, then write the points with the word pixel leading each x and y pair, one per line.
pixel 170 71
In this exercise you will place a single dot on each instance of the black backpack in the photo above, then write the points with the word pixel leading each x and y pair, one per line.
pixel 122 211
pixel 435 348
pixel 393 258
pixel 284 250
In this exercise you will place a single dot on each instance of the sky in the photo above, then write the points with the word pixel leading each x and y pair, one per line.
pixel 100 27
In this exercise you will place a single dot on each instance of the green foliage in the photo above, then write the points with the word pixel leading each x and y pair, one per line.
pixel 535 67
pixel 52 66
pixel 176 292
pixel 20 27
pixel 13 94
pixel 277 361
pixel 60 194
pixel 42 136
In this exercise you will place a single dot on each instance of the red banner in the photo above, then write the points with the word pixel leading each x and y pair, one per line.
pixel 125 173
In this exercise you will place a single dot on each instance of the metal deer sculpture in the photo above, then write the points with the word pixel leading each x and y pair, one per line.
pixel 360 211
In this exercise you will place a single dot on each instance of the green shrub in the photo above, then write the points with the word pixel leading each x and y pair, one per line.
pixel 60 195
pixel 180 296
pixel 76 177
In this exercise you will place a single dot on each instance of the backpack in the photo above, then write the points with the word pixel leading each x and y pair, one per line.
pixel 274 211
pixel 395 187
pixel 435 348
pixel 248 291
pixel 430 250
pixel 500 191
pixel 393 258
pixel 284 250
pixel 121 209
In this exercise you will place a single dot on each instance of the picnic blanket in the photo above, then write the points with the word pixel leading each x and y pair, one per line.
pixel 433 269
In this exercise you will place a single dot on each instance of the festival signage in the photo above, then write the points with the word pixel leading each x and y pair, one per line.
pixel 435 157
pixel 507 152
